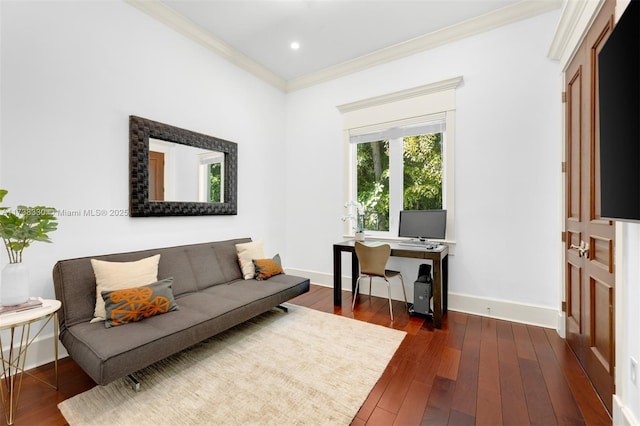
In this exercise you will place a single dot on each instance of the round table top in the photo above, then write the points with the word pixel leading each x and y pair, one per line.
pixel 14 319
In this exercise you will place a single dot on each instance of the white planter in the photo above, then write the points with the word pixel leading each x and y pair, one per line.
pixel 359 236
pixel 14 286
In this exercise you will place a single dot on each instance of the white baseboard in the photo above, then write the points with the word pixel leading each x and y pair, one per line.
pixel 470 304
pixel 562 324
pixel 622 416
pixel 40 352
pixel 505 310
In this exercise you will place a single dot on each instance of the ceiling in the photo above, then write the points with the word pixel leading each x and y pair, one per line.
pixel 335 36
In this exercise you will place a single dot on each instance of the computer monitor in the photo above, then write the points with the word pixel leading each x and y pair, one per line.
pixel 423 224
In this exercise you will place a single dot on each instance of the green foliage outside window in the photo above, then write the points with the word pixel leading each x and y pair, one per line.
pixel 423 172
pixel 422 177
pixel 215 180
pixel 373 184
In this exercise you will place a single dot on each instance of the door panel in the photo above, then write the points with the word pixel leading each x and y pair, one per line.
pixel 574 147
pixel 574 306
pixel 602 296
pixel 590 240
pixel 156 176
pixel 602 252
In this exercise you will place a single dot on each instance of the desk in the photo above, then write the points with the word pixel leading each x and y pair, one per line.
pixel 440 272
pixel 13 364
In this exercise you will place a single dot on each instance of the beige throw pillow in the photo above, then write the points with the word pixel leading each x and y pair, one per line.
pixel 121 275
pixel 246 253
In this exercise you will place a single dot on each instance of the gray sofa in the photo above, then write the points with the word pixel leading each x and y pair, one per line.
pixel 208 287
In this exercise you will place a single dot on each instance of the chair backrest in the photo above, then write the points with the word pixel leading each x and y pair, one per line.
pixel 373 259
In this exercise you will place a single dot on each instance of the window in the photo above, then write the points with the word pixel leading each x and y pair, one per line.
pixel 398 169
pixel 211 170
pixel 400 155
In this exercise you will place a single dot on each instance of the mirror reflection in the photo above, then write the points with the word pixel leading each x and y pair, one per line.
pixel 185 173
pixel 178 172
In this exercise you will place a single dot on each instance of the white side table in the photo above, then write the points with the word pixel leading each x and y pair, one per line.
pixel 13 363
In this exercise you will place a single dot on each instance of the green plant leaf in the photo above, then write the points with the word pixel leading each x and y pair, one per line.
pixel 19 228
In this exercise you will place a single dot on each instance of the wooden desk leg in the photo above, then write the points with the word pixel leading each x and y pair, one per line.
pixel 437 294
pixel 337 276
pixel 445 284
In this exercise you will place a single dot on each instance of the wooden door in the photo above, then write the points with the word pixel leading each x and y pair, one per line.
pixel 156 176
pixel 590 240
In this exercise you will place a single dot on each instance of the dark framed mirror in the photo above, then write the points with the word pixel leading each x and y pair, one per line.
pixel 177 172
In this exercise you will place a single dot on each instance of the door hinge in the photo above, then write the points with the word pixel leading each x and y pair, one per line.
pixel 564 306
pixel 564 167
pixel 563 236
pixel 564 97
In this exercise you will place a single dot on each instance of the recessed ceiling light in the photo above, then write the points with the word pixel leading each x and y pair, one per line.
pixel 295 45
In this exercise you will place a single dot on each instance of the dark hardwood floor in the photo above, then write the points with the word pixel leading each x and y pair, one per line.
pixel 474 370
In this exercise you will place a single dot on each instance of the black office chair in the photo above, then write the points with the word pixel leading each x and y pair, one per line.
pixel 373 261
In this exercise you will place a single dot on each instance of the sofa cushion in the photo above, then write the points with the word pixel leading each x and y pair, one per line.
pixel 120 275
pixel 267 268
pixel 246 253
pixel 135 304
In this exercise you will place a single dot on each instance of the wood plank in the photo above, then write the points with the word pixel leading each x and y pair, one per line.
pixel 489 403
pixel 430 360
pixel 536 394
pixel 564 405
pixel 514 405
pixel 449 363
pixel 590 405
pixel 396 391
pixel 524 346
pixel 439 404
pixel 413 406
pixel 381 417
pixel 466 389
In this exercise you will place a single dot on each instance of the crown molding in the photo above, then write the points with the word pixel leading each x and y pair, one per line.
pixel 426 89
pixel 518 11
pixel 575 19
pixel 489 21
pixel 190 29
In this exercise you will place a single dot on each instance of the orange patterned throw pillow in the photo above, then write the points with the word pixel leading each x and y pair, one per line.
pixel 267 268
pixel 135 304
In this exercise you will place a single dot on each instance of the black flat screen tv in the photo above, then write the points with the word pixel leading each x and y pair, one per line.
pixel 423 224
pixel 619 109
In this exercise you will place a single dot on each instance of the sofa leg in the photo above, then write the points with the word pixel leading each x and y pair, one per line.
pixel 134 382
pixel 284 308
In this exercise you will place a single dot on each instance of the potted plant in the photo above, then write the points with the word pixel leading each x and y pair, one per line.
pixel 358 217
pixel 19 228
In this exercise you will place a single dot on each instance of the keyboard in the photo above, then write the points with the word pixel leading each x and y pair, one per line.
pixel 421 245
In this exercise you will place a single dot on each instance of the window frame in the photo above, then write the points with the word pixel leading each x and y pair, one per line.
pixel 396 174
pixel 417 105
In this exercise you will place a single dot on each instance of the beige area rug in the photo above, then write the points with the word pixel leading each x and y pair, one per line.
pixel 304 367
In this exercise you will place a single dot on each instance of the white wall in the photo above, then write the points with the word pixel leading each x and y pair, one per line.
pixel 627 398
pixel 72 73
pixel 508 155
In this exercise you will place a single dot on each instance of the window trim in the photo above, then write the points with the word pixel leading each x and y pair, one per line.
pixel 419 104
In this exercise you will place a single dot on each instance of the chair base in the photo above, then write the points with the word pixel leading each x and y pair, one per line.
pixel 355 295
